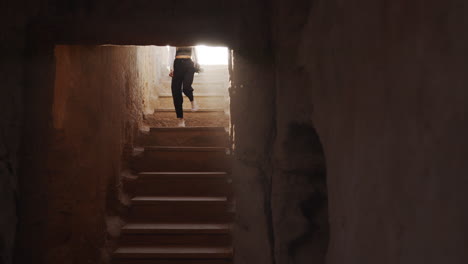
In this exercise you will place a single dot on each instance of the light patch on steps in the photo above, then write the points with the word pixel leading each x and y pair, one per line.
pixel 138 151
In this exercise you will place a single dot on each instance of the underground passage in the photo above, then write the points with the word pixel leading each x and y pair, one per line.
pixel 234 132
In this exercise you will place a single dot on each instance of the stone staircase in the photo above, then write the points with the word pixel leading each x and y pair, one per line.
pixel 181 203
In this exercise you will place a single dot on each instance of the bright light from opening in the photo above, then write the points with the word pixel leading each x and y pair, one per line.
pixel 212 55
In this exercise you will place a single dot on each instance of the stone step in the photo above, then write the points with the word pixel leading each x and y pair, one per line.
pixel 204 78
pixel 183 209
pixel 201 81
pixel 180 253
pixel 185 136
pixel 177 228
pixel 208 102
pixel 181 159
pixel 167 118
pixel 220 94
pixel 175 234
pixel 201 110
pixel 210 69
pixel 170 261
pixel 179 184
pixel 199 87
pixel 209 75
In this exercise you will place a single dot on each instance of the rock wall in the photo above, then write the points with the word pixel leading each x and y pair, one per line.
pixel 371 95
pixel 98 104
pixel 10 127
pixel 10 122
pixel 279 170
pixel 383 83
pixel 150 63
pixel 12 42
pixel 253 117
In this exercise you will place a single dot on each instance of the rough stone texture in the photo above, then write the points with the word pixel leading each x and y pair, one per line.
pixel 299 197
pixel 10 121
pixel 384 83
pixel 149 70
pixel 97 107
pixel 253 129
pixel 12 41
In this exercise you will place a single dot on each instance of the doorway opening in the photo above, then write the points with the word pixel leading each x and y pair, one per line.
pixel 210 89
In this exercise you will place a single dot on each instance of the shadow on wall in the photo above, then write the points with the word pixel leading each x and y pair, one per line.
pixel 306 173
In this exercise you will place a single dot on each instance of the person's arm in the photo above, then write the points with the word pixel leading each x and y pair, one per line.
pixel 194 54
pixel 171 58
pixel 172 55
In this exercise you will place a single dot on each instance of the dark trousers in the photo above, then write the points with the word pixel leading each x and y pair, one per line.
pixel 182 82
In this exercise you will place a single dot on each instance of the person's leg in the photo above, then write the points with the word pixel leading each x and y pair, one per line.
pixel 176 88
pixel 187 84
pixel 188 79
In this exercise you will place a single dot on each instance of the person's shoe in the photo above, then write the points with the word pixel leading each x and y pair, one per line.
pixel 181 122
pixel 194 106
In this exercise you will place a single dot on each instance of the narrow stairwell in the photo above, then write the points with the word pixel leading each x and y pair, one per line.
pixel 181 206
